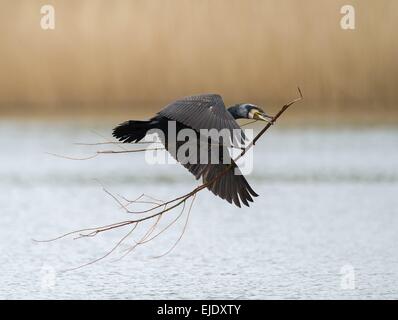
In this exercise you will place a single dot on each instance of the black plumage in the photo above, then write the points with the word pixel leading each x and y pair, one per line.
pixel 201 112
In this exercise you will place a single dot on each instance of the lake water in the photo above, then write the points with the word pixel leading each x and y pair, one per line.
pixel 325 224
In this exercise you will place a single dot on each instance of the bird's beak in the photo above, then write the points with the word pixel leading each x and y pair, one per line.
pixel 262 116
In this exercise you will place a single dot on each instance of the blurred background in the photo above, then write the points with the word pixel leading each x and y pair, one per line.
pixel 327 173
pixel 127 57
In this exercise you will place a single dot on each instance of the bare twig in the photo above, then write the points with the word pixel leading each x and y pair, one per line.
pixel 158 207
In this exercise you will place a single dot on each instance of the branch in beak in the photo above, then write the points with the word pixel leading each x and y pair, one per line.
pixel 262 116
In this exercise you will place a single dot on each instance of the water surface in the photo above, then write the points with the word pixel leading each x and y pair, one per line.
pixel 328 205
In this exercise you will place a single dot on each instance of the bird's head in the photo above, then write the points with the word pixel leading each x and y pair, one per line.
pixel 248 111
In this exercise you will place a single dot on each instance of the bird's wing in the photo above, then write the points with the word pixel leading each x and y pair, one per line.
pixel 206 111
pixel 231 186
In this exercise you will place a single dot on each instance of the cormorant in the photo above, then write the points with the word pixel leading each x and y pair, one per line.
pixel 206 111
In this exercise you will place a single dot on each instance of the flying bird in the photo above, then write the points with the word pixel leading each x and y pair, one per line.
pixel 205 111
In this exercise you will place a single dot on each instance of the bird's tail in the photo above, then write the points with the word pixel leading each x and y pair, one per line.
pixel 132 130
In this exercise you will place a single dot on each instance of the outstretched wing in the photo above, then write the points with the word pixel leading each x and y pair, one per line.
pixel 231 186
pixel 206 111
pixel 227 183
